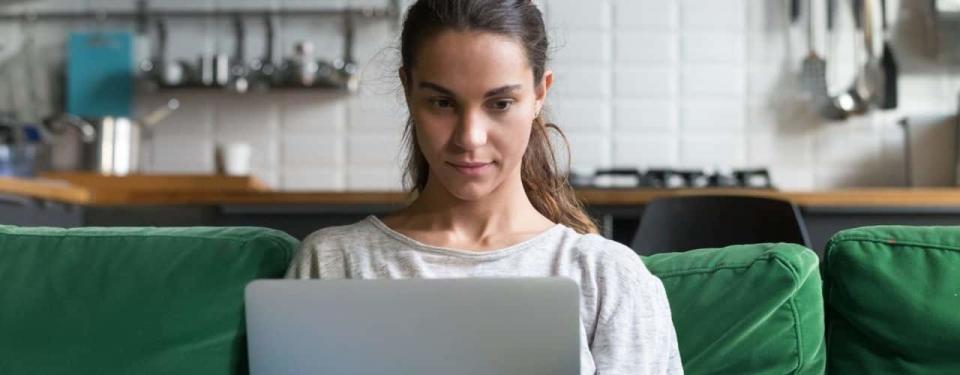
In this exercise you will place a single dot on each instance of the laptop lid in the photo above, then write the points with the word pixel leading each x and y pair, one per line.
pixel 414 326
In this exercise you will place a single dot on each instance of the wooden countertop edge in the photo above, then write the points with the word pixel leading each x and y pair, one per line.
pixel 860 197
pixel 64 192
pixel 57 190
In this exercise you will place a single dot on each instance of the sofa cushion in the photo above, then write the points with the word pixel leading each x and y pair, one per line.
pixel 893 300
pixel 745 309
pixel 130 300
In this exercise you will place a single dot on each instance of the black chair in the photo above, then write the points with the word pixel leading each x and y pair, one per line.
pixel 685 223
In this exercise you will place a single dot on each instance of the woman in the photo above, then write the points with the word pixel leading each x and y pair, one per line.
pixel 490 200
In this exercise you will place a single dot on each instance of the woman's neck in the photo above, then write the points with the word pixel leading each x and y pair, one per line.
pixel 504 216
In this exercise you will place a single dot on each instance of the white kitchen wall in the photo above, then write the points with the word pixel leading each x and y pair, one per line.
pixel 639 83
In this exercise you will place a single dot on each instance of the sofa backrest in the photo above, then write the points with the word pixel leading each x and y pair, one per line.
pixel 893 300
pixel 130 300
pixel 746 309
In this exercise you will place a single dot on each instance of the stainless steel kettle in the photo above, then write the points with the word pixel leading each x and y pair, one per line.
pixel 107 145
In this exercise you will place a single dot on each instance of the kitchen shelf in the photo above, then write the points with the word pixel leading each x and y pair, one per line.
pixel 157 88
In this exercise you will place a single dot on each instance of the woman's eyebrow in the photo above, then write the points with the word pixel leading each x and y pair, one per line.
pixel 446 91
pixel 502 90
pixel 436 87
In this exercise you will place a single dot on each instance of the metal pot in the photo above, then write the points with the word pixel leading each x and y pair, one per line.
pixel 107 145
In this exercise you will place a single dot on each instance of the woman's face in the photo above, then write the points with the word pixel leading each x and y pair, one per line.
pixel 473 102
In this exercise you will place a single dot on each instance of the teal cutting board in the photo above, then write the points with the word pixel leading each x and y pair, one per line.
pixel 100 74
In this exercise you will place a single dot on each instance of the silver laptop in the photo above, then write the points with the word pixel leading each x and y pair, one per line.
pixel 422 326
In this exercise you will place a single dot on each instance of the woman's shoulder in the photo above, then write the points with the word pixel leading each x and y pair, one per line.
pixel 609 258
pixel 340 234
pixel 321 253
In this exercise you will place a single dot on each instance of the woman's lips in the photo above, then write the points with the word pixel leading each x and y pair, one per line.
pixel 471 169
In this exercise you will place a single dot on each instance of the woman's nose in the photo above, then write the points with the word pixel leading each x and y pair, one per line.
pixel 472 131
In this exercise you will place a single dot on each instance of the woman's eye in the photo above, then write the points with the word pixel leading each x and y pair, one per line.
pixel 501 105
pixel 441 103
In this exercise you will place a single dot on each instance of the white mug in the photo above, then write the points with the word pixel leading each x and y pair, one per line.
pixel 234 158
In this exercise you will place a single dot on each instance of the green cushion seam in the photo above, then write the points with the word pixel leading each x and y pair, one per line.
pixel 797 333
pixel 795 275
pixel 119 235
pixel 855 238
pixel 711 269
pixel 287 251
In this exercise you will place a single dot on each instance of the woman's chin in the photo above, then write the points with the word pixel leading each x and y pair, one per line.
pixel 471 191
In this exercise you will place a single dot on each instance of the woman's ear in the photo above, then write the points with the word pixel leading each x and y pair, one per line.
pixel 543 88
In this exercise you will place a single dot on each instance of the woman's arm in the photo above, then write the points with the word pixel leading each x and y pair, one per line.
pixel 634 333
pixel 305 263
pixel 302 266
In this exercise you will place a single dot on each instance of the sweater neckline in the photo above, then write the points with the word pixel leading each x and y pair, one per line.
pixel 379 224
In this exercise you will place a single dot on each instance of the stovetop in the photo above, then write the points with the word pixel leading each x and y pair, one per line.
pixel 667 178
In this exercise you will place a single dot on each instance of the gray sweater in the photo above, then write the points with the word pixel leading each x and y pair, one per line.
pixel 626 325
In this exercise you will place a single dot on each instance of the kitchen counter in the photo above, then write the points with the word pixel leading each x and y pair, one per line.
pixel 91 190
pixel 71 200
pixel 172 190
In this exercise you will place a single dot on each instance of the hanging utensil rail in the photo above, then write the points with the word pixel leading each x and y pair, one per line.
pixel 143 13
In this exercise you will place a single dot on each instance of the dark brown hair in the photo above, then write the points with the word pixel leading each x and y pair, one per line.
pixel 546 186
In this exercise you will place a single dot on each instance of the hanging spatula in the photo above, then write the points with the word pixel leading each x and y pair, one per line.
pixel 813 74
pixel 814 69
pixel 888 63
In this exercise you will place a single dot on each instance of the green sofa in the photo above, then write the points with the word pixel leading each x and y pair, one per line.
pixel 130 300
pixel 893 301
pixel 170 301
pixel 885 300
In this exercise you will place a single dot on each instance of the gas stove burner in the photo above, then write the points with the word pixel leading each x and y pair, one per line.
pixel 667 178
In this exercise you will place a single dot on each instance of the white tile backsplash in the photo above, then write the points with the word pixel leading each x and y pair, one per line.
pixel 640 47
pixel 311 150
pixel 795 150
pixel 714 48
pixel 721 151
pixel 639 83
pixel 374 150
pixel 51 5
pixel 713 80
pixel 715 15
pixel 645 114
pixel 588 150
pixel 247 4
pixel 768 48
pixel 314 4
pixel 189 39
pixel 581 81
pixel 184 5
pixel 194 117
pixel 305 112
pixel 645 150
pixel 247 116
pixel 646 15
pixel 113 5
pixel 364 179
pixel 376 113
pixel 585 47
pixel 178 154
pixel 578 114
pixel 855 146
pixel 717 115
pixel 794 178
pixel 648 81
pixel 312 178
pixel 579 15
